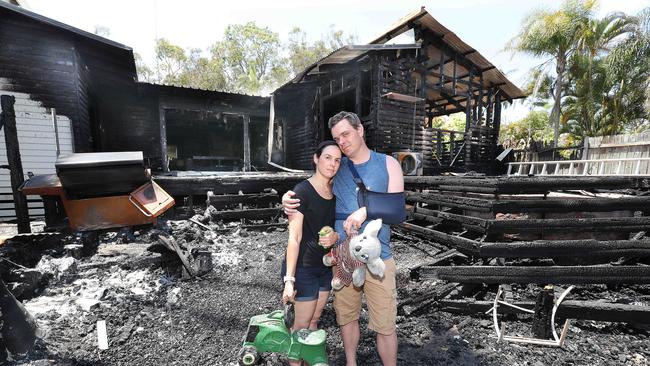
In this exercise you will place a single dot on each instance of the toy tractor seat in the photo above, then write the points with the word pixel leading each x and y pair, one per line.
pixel 309 337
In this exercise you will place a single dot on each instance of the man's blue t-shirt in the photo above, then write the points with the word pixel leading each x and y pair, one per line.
pixel 375 176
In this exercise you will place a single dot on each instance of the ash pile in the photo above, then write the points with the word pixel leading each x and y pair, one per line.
pixel 183 291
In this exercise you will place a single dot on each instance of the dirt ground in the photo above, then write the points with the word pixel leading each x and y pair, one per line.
pixel 154 317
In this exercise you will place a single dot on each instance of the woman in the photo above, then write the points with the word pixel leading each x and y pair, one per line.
pixel 307 281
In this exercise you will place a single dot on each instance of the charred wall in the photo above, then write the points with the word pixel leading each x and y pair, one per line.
pixel 296 110
pixel 44 64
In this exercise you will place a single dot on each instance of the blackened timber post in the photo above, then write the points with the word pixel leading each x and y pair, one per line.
pixel 453 81
pixel 490 107
pixel 357 98
pixel 8 117
pixel 247 143
pixel 468 104
pixel 441 78
pixel 479 115
pixel 541 327
pixel 497 114
pixel 439 154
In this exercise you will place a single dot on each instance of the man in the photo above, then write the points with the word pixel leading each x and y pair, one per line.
pixel 380 173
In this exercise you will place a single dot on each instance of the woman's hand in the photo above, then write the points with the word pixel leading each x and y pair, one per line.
pixel 329 240
pixel 289 294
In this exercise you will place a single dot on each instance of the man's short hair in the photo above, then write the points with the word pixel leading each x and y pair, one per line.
pixel 350 116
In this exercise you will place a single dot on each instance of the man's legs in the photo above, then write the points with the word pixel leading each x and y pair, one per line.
pixel 387 348
pixel 350 334
pixel 381 298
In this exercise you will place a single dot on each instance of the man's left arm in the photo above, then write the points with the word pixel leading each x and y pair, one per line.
pixel 395 175
pixel 395 184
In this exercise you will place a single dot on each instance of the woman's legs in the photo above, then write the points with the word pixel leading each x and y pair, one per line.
pixel 320 304
pixel 304 313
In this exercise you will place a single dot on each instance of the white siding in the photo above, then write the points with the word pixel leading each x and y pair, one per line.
pixel 37 148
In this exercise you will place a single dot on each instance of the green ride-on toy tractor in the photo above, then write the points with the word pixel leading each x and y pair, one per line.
pixel 271 333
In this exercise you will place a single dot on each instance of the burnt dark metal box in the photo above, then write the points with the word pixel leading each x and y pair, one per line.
pixel 86 175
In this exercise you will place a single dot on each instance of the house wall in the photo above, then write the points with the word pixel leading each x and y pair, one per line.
pixel 37 142
pixel 43 63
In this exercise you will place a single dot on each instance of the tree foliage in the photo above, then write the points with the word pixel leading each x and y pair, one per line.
pixel 603 85
pixel 521 134
pixel 248 59
pixel 554 34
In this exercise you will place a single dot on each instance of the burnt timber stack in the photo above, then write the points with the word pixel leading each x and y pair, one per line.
pixel 527 217
pixel 587 231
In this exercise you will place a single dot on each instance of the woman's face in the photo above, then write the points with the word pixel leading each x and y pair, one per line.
pixel 329 161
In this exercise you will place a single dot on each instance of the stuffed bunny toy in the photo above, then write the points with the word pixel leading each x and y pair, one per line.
pixel 353 253
pixel 366 248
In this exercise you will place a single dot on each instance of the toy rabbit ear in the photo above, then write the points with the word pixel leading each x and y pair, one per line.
pixel 373 227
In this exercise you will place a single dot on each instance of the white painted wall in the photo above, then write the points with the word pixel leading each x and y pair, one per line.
pixel 37 148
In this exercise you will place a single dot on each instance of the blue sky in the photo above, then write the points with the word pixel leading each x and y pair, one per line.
pixel 486 25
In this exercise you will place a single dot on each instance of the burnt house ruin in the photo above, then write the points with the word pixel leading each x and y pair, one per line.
pixel 75 91
pixel 397 89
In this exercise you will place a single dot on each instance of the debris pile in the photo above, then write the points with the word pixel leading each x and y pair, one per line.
pixel 184 291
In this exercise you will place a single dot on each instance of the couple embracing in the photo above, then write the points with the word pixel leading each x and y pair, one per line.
pixel 329 198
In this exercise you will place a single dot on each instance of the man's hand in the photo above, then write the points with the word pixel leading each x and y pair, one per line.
pixel 353 223
pixel 290 204
pixel 328 241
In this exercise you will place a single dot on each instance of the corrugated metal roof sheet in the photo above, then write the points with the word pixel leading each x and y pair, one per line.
pixel 425 20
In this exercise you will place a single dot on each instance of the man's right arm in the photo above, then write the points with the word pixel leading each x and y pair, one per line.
pixel 289 203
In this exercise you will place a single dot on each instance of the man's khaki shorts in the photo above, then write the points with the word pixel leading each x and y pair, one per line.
pixel 381 298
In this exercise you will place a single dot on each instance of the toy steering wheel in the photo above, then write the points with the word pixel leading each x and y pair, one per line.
pixel 289 315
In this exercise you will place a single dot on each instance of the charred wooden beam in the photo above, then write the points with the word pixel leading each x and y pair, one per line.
pixel 464 245
pixel 588 248
pixel 571 205
pixel 251 214
pixel 569 309
pixel 618 224
pixel 252 198
pixel 611 275
pixel 219 184
pixel 419 304
pixel 541 184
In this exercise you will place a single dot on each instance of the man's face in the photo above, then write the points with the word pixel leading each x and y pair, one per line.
pixel 348 138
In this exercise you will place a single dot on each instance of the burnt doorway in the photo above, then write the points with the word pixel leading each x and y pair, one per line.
pixel 333 104
pixel 205 141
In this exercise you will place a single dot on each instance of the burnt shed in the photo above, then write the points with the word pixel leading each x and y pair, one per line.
pixel 90 83
pixel 61 67
pixel 397 89
pixel 74 91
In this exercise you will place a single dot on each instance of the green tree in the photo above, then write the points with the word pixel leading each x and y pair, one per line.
pixel 145 73
pixel 302 54
pixel 553 34
pixel 607 90
pixel 534 127
pixel 180 67
pixel 251 57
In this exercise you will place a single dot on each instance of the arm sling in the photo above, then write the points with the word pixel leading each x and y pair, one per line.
pixel 389 207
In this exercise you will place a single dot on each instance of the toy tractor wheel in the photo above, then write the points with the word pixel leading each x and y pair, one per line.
pixel 248 356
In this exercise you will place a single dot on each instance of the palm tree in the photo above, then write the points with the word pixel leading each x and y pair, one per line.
pixel 554 33
pixel 595 38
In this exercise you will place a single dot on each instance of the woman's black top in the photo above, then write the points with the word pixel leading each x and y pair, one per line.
pixel 317 212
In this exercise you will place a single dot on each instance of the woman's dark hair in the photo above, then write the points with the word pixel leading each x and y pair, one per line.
pixel 323 145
